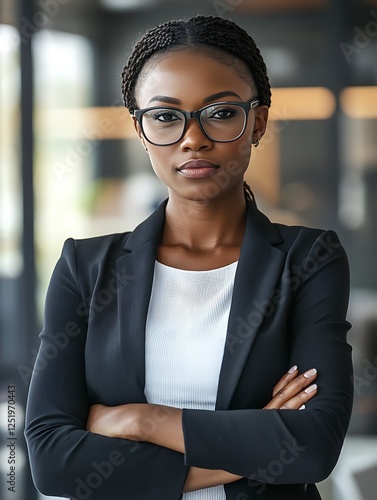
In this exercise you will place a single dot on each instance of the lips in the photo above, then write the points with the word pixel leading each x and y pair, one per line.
pixel 197 169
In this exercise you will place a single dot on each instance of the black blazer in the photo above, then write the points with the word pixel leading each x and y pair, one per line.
pixel 288 307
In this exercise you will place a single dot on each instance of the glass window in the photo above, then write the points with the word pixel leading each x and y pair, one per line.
pixel 64 163
pixel 10 182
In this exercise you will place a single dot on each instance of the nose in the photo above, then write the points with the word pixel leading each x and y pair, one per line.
pixel 194 138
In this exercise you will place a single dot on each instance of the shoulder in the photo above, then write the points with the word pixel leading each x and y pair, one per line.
pixel 92 254
pixel 101 245
pixel 89 262
pixel 292 239
pixel 304 240
pixel 309 251
pixel 298 236
pixel 97 246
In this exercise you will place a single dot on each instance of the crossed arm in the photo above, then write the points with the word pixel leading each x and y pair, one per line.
pixel 162 425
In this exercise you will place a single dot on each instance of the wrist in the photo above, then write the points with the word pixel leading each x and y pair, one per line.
pixel 198 478
pixel 150 419
pixel 126 424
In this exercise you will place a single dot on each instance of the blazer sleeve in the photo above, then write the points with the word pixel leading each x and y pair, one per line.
pixel 66 460
pixel 300 446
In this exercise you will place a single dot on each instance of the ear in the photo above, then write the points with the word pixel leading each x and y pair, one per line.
pixel 139 132
pixel 260 125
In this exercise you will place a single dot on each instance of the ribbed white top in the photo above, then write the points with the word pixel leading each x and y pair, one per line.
pixel 184 344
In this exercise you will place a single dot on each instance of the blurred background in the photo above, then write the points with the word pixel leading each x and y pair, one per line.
pixel 71 166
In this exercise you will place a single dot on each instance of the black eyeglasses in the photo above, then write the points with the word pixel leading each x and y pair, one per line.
pixel 220 122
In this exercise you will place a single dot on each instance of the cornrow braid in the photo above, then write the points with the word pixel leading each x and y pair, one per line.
pixel 221 36
pixel 209 31
pixel 249 195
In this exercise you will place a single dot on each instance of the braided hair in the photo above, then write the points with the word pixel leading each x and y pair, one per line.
pixel 224 39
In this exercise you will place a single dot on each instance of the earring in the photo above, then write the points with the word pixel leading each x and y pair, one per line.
pixel 256 143
pixel 146 149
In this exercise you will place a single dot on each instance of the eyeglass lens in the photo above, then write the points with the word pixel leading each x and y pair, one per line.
pixel 221 122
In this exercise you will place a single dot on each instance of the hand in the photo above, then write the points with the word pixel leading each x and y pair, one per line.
pixel 198 479
pixel 293 391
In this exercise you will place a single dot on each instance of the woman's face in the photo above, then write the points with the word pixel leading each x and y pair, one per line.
pixel 190 80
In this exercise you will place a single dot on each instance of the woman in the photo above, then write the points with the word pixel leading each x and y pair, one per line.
pixel 203 307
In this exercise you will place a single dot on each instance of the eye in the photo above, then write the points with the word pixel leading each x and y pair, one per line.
pixel 166 116
pixel 222 113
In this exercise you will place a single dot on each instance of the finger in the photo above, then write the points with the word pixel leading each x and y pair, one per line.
pixel 299 402
pixel 292 389
pixel 290 375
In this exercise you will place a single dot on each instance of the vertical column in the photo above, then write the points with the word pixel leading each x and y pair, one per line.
pixel 338 17
pixel 28 279
pixel 27 307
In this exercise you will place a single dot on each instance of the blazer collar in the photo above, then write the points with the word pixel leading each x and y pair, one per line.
pixel 149 230
pixel 259 268
pixel 257 225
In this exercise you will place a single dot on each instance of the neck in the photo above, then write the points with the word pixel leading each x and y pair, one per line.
pixel 205 225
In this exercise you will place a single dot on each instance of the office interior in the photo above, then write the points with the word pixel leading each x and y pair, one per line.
pixel 71 165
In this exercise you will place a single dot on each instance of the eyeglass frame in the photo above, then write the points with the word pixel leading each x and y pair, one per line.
pixel 188 115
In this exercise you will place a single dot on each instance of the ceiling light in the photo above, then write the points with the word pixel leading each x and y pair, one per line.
pixel 126 4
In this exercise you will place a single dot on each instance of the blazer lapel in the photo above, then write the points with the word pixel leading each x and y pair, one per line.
pixel 259 267
pixel 135 278
pixel 258 270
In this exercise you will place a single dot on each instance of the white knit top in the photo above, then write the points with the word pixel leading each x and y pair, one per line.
pixel 184 344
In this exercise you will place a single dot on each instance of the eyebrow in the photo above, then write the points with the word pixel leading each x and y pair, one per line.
pixel 165 98
pixel 219 95
pixel 174 100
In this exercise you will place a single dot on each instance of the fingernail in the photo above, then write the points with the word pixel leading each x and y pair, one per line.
pixel 293 369
pixel 311 388
pixel 302 407
pixel 310 373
